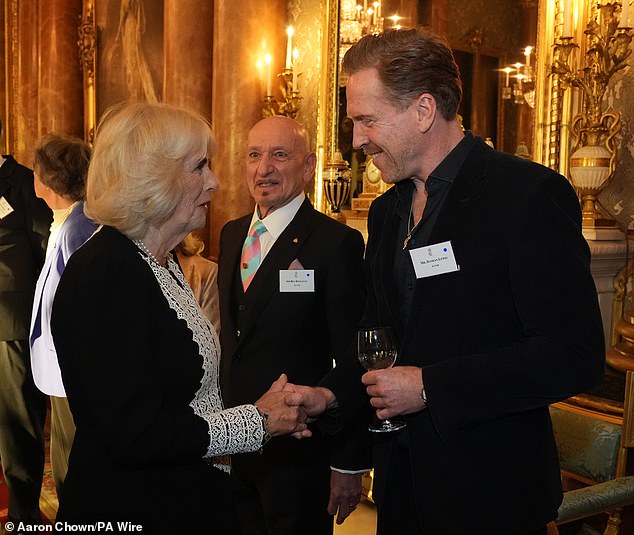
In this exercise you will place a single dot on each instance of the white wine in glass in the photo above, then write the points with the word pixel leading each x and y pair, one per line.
pixel 377 350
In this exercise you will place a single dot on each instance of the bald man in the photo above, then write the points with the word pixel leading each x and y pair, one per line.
pixel 291 294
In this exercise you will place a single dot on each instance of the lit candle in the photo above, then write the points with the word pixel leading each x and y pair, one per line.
pixel 377 10
pixel 568 16
pixel 295 55
pixel 267 60
pixel 260 68
pixel 289 46
pixel 507 70
pixel 527 55
pixel 625 14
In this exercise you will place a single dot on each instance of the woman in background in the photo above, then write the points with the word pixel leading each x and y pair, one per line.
pixel 138 357
pixel 201 275
pixel 59 168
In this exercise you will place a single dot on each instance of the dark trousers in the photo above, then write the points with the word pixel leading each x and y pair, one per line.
pixel 397 509
pixel 22 417
pixel 286 503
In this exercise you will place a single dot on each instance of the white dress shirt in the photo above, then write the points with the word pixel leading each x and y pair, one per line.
pixel 276 222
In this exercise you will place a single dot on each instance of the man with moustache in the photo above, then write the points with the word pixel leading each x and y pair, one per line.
pixel 291 294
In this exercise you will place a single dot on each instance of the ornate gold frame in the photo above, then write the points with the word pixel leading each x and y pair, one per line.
pixel 557 105
pixel 327 117
pixel 10 88
pixel 87 43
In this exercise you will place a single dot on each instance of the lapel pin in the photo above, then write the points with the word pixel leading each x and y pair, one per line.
pixel 295 240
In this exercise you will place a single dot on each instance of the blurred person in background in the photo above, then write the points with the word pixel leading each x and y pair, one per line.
pixel 201 274
pixel 24 226
pixel 59 167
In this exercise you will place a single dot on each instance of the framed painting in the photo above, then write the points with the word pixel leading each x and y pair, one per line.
pixel 121 48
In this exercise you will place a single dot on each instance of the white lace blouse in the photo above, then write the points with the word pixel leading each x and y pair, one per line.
pixel 234 430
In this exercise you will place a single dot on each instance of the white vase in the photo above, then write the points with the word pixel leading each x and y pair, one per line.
pixel 590 168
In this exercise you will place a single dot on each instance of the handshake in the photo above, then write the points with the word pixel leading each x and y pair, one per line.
pixel 291 408
pixel 392 392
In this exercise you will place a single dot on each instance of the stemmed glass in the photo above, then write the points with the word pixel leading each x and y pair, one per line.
pixel 377 350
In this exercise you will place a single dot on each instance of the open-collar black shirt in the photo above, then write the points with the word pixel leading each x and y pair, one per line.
pixel 438 185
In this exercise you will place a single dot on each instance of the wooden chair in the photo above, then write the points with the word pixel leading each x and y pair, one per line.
pixel 594 436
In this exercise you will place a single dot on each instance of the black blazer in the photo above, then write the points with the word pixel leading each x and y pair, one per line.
pixel 267 332
pixel 23 235
pixel 516 328
pixel 131 368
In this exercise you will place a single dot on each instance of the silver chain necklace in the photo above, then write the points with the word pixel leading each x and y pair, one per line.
pixel 411 228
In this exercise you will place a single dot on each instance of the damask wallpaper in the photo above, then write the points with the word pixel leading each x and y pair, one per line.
pixel 618 196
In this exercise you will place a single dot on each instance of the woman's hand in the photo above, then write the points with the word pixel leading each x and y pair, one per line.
pixel 283 418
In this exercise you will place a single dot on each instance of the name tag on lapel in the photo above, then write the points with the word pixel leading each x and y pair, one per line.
pixel 433 260
pixel 297 280
pixel 5 208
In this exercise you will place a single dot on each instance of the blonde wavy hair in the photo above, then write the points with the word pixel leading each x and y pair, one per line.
pixel 135 174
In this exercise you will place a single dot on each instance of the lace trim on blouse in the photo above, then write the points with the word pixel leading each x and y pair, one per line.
pixel 234 430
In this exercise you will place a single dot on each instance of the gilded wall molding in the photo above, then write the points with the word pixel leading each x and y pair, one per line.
pixel 328 98
pixel 12 68
pixel 87 41
pixel 87 44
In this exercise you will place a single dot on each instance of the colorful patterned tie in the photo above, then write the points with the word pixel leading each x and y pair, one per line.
pixel 251 252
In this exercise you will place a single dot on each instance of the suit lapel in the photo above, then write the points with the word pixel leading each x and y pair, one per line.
pixel 6 169
pixel 233 253
pixel 266 282
pixel 463 195
pixel 389 237
pixel 228 265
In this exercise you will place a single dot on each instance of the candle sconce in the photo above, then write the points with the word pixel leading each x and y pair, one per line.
pixel 288 105
pixel 594 129
pixel 522 89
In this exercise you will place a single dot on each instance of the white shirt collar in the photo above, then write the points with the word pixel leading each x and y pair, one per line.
pixel 279 219
pixel 276 222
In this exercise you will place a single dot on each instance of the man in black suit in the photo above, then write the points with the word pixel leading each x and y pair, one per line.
pixel 24 225
pixel 477 261
pixel 299 311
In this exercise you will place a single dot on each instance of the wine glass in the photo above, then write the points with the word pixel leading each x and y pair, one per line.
pixel 377 350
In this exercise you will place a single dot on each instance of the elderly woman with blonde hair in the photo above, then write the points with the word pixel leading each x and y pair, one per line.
pixel 138 358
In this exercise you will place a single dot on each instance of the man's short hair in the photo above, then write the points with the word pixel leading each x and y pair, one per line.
pixel 410 62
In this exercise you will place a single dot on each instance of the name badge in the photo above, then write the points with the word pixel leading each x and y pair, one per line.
pixel 297 280
pixel 433 260
pixel 5 208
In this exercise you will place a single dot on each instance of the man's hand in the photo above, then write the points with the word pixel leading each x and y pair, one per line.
pixel 315 400
pixel 345 494
pixel 395 390
pixel 283 417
